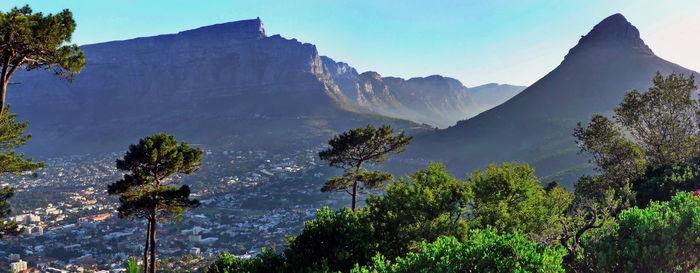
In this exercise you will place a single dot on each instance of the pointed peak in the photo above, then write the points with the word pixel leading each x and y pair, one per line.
pixel 614 26
pixel 612 32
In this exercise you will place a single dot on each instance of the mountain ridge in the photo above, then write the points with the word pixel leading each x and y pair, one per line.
pixel 240 90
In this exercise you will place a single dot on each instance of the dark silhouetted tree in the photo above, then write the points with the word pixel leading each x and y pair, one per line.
pixel 352 150
pixel 148 189
pixel 31 40
pixel 12 136
pixel 663 120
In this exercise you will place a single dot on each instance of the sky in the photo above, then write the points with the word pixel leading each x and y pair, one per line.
pixel 476 42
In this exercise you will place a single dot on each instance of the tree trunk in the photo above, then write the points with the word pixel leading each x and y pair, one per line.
pixel 354 195
pixel 3 91
pixel 354 186
pixel 153 243
pixel 147 247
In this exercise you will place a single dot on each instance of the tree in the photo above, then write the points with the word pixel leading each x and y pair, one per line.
pixel 31 40
pixel 352 150
pixel 617 158
pixel 131 266
pixel 7 228
pixel 483 251
pixel 663 120
pixel 663 182
pixel 660 238
pixel 148 189
pixel 419 208
pixel 12 136
pixel 509 197
pixel 333 241
pixel 661 130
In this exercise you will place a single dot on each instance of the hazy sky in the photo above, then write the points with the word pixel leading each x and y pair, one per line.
pixel 516 41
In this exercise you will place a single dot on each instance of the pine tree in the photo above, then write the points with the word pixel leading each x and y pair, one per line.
pixel 11 137
pixel 31 40
pixel 148 189
pixel 352 150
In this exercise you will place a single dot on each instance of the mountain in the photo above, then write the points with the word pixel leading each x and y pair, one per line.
pixel 535 126
pixel 228 84
pixel 435 100
pixel 491 95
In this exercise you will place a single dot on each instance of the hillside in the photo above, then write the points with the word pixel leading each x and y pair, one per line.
pixel 535 126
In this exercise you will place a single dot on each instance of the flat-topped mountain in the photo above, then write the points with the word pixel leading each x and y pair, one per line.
pixel 535 126
pixel 227 84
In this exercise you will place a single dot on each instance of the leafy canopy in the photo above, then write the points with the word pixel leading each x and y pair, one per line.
pixel 419 208
pixel 660 238
pixel 353 149
pixel 146 185
pixel 31 40
pixel 334 240
pixel 12 136
pixel 663 120
pixel 483 251
pixel 510 198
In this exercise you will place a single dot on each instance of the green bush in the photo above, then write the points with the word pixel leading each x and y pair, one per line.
pixel 334 240
pixel 484 251
pixel 662 183
pixel 419 208
pixel 664 237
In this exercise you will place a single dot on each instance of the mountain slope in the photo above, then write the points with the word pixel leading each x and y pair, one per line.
pixel 227 84
pixel 491 95
pixel 535 126
pixel 435 100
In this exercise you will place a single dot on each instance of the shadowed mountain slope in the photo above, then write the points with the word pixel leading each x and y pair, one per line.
pixel 221 85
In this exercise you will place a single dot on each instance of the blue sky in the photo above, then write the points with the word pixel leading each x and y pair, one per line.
pixel 477 42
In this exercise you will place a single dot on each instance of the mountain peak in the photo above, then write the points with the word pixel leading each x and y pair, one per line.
pixel 615 27
pixel 245 29
pixel 612 32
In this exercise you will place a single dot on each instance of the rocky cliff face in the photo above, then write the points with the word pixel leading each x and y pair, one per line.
pixel 222 84
pixel 435 100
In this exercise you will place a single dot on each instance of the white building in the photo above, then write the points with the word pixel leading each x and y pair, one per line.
pixel 18 266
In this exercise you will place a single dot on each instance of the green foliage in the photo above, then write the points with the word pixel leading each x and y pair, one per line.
pixel 12 136
pixel 663 120
pixel 147 189
pixel 226 263
pixel 663 125
pixel 419 208
pixel 484 251
pixel 660 238
pixel 663 182
pixel 334 240
pixel 509 197
pixel 7 228
pixel 353 149
pixel 34 40
pixel 618 159
pixel 132 266
pixel 266 262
